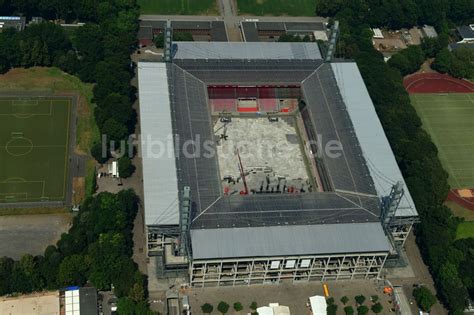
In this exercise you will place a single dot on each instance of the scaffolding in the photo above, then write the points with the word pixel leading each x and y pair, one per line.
pixel 293 269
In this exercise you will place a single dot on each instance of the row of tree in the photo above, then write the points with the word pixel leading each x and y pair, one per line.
pixel 459 63
pixel 396 14
pixel 97 250
pixel 448 258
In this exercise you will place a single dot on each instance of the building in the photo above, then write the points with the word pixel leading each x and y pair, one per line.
pixel 429 31
pixel 466 32
pixel 254 30
pixel 454 46
pixel 231 212
pixel 79 301
pixel 201 30
pixel 16 22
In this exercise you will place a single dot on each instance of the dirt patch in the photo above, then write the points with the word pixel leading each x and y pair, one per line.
pixel 79 189
pixel 31 234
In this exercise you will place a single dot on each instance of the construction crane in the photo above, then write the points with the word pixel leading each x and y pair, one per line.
pixel 242 172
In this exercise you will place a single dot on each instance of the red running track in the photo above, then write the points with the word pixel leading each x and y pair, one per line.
pixel 467 203
pixel 436 83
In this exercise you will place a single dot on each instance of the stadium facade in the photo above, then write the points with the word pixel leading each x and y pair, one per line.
pixel 354 211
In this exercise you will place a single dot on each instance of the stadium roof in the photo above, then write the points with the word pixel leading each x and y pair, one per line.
pixel 249 51
pixel 160 181
pixel 375 147
pixel 356 191
pixel 289 240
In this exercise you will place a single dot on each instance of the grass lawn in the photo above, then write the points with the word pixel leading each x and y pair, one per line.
pixel 52 81
pixel 449 120
pixel 277 7
pixel 34 148
pixel 460 211
pixel 184 7
pixel 465 230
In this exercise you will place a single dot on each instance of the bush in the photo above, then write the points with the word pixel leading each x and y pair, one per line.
pixel 331 309
pixel 253 305
pixel 344 300
pixel 238 306
pixel 377 308
pixel 349 310
pixel 330 301
pixel 207 308
pixel 362 310
pixel 360 299
pixel 223 307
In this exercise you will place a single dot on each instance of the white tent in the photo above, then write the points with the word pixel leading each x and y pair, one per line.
pixel 265 310
pixel 318 305
pixel 273 309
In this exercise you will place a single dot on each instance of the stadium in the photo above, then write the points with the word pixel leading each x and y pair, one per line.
pixel 264 163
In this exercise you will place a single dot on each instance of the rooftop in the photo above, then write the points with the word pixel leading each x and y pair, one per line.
pixel 466 31
pixel 289 240
pixel 335 107
pixel 17 22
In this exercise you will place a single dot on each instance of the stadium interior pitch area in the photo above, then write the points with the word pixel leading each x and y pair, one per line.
pixel 34 140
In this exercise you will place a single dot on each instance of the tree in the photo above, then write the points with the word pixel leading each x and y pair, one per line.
pixel 424 298
pixel 238 306
pixel 362 310
pixel 331 309
pixel 349 310
pixel 207 308
pixel 114 130
pixel 344 300
pixel 253 305
pixel 377 308
pixel 374 298
pixel 360 299
pixel 223 307
pixel 72 270
pixel 137 292
pixel 159 40
pixel 100 152
pixel 330 301
pixel 125 167
pixel 126 306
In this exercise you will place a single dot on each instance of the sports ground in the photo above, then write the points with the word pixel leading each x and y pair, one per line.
pixel 449 118
pixel 34 148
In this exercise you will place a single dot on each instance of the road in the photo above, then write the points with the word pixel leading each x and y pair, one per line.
pixel 421 276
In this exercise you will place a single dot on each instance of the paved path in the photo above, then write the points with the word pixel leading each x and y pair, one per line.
pixel 421 276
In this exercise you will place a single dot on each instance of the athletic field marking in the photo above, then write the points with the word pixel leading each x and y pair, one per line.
pixel 19 188
pixel 444 117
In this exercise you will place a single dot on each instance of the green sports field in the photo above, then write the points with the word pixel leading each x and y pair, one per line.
pixel 34 141
pixel 185 7
pixel 449 119
pixel 277 7
pixel 465 230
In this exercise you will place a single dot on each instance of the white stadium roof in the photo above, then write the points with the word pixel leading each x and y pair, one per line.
pixel 160 182
pixel 375 147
